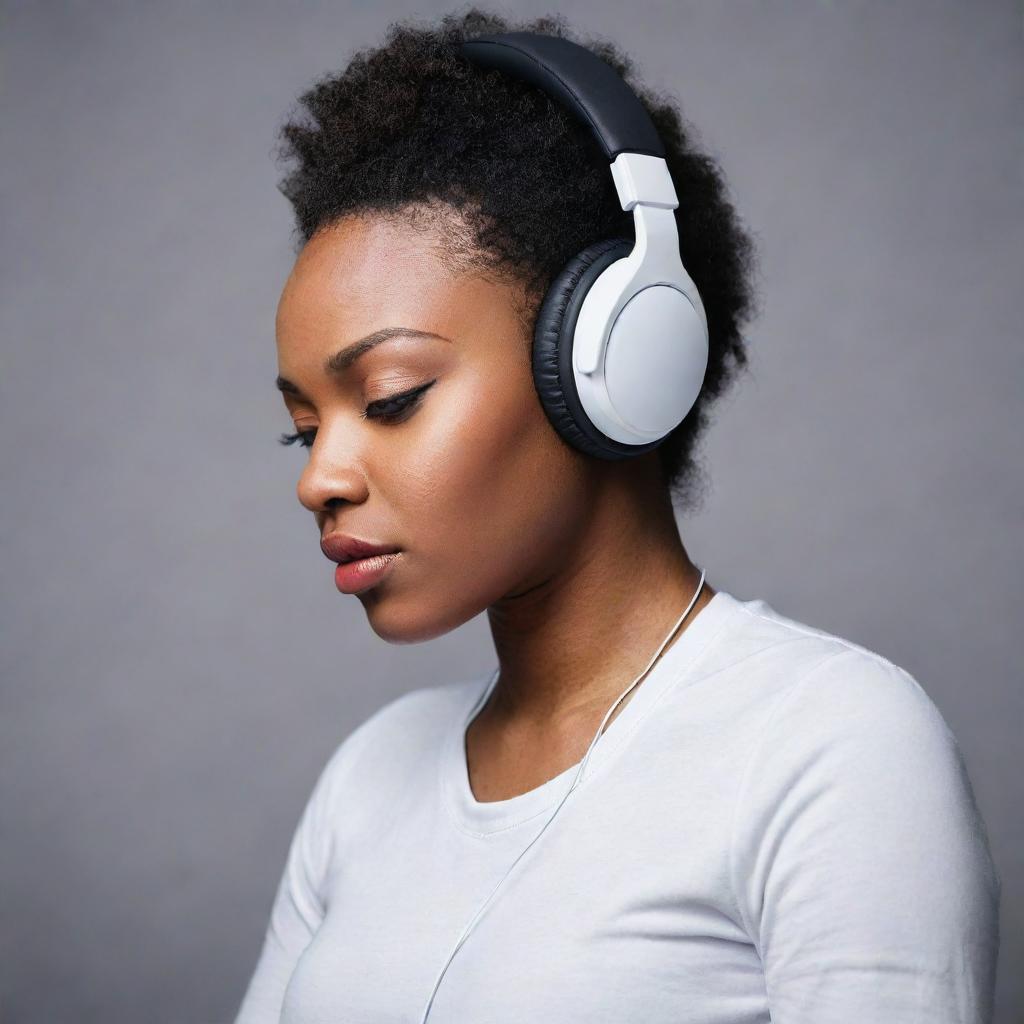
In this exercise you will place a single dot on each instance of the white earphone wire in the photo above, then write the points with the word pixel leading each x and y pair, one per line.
pixel 493 679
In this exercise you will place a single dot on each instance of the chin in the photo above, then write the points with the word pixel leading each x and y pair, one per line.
pixel 405 620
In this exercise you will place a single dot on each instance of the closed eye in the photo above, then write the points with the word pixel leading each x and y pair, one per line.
pixel 391 410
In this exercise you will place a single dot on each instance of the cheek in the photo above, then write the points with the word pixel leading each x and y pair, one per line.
pixel 485 487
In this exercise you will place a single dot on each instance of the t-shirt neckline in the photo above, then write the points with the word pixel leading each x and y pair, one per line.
pixel 485 818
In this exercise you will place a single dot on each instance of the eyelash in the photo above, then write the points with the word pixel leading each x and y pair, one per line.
pixel 407 402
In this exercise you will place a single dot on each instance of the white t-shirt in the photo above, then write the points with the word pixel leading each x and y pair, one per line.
pixel 777 825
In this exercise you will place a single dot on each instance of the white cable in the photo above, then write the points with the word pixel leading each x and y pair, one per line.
pixel 469 927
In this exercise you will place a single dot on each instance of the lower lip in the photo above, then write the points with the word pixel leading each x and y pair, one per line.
pixel 355 577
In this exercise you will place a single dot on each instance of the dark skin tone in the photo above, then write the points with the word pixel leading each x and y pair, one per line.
pixel 577 561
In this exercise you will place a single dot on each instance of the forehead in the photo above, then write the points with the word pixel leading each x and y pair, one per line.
pixel 363 267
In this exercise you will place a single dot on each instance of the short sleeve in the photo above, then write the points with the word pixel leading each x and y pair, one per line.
pixel 298 907
pixel 860 861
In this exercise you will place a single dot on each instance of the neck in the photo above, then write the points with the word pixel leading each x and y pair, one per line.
pixel 570 642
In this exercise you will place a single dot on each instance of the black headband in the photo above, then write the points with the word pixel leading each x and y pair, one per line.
pixel 593 90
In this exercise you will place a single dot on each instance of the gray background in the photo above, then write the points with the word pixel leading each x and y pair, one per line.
pixel 176 662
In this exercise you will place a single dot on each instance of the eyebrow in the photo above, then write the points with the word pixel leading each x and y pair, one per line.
pixel 342 359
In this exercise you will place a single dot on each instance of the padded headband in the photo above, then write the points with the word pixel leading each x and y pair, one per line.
pixel 593 90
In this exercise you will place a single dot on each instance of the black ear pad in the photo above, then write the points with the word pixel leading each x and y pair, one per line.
pixel 552 352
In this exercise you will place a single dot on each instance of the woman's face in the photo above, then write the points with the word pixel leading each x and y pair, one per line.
pixel 470 480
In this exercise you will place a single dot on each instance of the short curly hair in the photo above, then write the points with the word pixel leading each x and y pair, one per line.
pixel 413 126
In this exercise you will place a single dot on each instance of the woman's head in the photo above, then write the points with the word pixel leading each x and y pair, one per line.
pixel 432 196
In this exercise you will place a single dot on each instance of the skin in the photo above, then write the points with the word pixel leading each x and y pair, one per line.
pixel 577 561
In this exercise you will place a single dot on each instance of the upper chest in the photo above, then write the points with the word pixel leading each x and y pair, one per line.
pixel 505 760
pixel 620 910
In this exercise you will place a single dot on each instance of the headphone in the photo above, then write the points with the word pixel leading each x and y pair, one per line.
pixel 620 344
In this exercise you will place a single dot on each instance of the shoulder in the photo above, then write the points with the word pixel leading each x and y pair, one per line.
pixel 856 764
pixel 850 713
pixel 845 745
pixel 853 823
pixel 420 712
pixel 854 697
pixel 794 672
pixel 401 730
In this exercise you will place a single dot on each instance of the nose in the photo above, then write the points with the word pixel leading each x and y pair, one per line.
pixel 333 473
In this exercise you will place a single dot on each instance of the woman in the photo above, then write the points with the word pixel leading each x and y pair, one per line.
pixel 756 820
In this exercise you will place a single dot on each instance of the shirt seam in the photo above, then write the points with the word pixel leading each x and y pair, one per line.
pixel 823 636
pixel 449 810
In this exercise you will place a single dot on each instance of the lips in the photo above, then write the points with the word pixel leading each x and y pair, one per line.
pixel 363 574
pixel 341 548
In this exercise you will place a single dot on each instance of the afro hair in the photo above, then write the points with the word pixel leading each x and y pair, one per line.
pixel 516 181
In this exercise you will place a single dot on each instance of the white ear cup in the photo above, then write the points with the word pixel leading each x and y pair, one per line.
pixel 654 363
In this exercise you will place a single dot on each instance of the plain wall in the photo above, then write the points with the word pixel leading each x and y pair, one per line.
pixel 177 664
